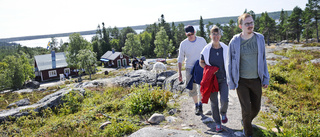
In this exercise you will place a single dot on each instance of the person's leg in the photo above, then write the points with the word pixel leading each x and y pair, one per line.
pixel 215 107
pixel 192 93
pixel 224 97
pixel 255 97
pixel 224 100
pixel 244 97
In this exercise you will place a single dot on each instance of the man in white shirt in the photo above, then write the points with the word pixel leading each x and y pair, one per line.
pixel 189 52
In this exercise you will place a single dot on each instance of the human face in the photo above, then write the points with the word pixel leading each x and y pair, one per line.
pixel 190 36
pixel 247 25
pixel 215 36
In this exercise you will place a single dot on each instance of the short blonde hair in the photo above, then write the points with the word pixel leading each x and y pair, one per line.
pixel 243 17
pixel 215 29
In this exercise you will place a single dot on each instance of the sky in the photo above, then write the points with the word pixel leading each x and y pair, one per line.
pixel 39 17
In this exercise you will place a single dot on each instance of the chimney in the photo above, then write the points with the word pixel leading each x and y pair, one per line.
pixel 53 57
pixel 113 51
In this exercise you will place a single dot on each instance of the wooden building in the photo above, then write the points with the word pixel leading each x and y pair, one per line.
pixel 50 66
pixel 114 59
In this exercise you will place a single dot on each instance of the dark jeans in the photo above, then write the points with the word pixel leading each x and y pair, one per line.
pixel 249 93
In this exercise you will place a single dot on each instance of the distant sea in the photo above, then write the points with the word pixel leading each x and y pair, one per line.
pixel 44 41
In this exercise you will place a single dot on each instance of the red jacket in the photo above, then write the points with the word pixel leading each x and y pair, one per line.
pixel 209 83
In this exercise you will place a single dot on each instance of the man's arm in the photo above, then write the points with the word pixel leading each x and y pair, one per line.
pixel 202 63
pixel 179 71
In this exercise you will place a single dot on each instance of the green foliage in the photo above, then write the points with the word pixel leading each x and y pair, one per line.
pixel 267 26
pixel 82 115
pixel 119 129
pixel 73 101
pixel 311 45
pixel 8 98
pixel 294 90
pixel 145 100
pixel 77 43
pixel 87 60
pixel 132 45
pixel 162 43
pixel 295 23
pixel 14 71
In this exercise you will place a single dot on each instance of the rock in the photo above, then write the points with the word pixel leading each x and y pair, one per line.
pixel 315 61
pixel 23 91
pixel 208 112
pixel 276 130
pixel 172 111
pixel 238 134
pixel 156 118
pixel 51 101
pixel 171 119
pixel 161 132
pixel 33 85
pixel 104 124
pixel 22 102
pixel 207 120
pixel 161 79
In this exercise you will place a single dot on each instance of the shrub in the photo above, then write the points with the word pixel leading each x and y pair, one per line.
pixel 145 100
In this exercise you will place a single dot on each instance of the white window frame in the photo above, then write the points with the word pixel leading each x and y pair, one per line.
pixel 52 73
pixel 119 63
pixel 124 62
pixel 66 70
pixel 121 56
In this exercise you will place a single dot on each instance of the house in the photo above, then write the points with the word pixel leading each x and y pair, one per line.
pixel 114 59
pixel 50 66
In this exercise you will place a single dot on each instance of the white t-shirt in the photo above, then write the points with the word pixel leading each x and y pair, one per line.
pixel 190 51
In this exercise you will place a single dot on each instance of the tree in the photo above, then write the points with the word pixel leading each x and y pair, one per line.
pixel 115 44
pixel 105 44
pixel 314 6
pixel 201 27
pixel 162 44
pixel 96 47
pixel 281 26
pixel 14 73
pixel 27 68
pixel 86 60
pixel 4 77
pixel 123 35
pixel 132 46
pixel 307 23
pixel 295 23
pixel 54 44
pixel 208 27
pixel 115 33
pixel 77 43
pixel 145 39
pixel 267 26
pixel 180 35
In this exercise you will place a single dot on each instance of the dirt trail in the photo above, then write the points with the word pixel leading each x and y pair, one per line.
pixel 187 120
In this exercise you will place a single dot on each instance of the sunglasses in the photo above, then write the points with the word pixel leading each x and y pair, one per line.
pixel 190 34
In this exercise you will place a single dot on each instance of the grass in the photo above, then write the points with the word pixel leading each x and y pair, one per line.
pixel 8 98
pixel 82 115
pixel 295 91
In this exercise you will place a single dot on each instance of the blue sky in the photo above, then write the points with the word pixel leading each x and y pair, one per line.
pixel 38 17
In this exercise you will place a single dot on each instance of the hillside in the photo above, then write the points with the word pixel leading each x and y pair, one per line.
pixel 221 20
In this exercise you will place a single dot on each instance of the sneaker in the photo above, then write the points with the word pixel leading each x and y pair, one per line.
pixel 218 128
pixel 197 110
pixel 224 119
pixel 200 109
